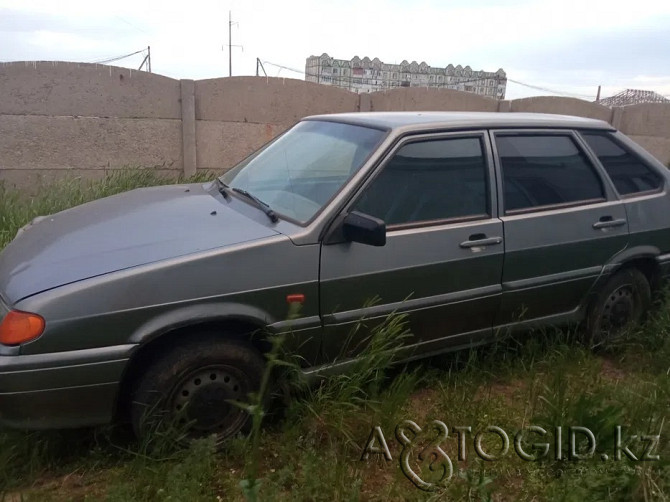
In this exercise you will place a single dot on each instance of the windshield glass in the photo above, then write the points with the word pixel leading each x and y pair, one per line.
pixel 299 172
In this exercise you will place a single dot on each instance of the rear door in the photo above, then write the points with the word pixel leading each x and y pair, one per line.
pixel 642 189
pixel 562 223
pixel 443 256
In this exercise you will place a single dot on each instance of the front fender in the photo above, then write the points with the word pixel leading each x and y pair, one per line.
pixel 197 314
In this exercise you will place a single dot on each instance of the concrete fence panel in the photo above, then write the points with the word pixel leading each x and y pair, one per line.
pixel 66 143
pixel 221 145
pixel 648 119
pixel 657 146
pixel 86 90
pixel 425 99
pixel 86 119
pixel 649 125
pixel 262 100
pixel 562 106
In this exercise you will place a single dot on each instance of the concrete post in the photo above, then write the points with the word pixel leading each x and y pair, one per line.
pixel 617 115
pixel 365 102
pixel 188 127
pixel 504 106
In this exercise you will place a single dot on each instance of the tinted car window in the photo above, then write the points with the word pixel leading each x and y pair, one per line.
pixel 300 171
pixel 544 170
pixel 429 180
pixel 628 173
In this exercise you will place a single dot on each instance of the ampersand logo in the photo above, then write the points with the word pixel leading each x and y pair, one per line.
pixel 439 461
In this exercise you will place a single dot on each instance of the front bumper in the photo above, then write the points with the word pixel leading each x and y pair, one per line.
pixel 62 389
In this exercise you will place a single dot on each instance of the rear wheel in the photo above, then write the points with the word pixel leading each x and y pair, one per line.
pixel 193 387
pixel 621 303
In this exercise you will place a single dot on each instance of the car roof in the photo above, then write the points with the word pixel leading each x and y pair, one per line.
pixel 461 120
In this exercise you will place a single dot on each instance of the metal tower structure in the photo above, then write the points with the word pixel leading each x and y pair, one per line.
pixel 633 97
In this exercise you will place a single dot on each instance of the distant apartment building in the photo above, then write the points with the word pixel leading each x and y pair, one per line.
pixel 368 75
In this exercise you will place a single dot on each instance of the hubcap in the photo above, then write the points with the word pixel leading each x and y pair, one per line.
pixel 618 309
pixel 202 398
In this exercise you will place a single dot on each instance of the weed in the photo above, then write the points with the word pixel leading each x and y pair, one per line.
pixel 546 378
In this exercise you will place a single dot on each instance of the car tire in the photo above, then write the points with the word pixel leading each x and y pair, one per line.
pixel 192 386
pixel 622 302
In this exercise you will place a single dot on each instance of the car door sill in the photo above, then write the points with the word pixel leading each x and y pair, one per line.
pixel 410 305
pixel 416 351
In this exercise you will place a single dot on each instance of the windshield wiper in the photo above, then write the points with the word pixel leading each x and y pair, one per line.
pixel 261 205
pixel 223 188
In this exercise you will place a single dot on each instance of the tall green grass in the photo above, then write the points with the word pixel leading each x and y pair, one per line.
pixel 312 451
pixel 17 208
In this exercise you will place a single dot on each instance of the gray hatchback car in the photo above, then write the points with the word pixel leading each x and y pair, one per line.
pixel 469 222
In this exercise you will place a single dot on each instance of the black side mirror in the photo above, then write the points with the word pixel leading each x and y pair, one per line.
pixel 363 228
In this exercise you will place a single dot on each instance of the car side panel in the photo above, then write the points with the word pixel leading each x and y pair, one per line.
pixel 648 216
pixel 246 283
pixel 554 257
pixel 446 288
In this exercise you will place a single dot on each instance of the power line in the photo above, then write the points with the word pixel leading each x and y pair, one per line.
pixel 445 84
pixel 118 58
pixel 287 68
pixel 349 79
pixel 132 25
pixel 544 89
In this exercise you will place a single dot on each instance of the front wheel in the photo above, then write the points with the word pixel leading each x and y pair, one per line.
pixel 194 387
pixel 621 303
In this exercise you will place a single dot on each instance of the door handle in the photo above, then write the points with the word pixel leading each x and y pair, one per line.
pixel 609 222
pixel 480 240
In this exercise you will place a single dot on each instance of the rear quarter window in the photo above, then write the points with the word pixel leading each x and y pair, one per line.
pixel 628 172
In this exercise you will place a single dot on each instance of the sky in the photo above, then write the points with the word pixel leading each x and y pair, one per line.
pixel 563 47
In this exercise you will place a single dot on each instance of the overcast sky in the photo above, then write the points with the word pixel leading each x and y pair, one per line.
pixel 566 46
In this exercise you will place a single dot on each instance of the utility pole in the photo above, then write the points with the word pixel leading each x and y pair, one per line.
pixel 147 60
pixel 598 95
pixel 230 44
pixel 260 64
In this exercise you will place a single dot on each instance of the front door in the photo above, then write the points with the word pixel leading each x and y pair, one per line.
pixel 443 257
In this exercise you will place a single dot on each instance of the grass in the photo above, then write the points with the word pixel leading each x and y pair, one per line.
pixel 16 209
pixel 313 452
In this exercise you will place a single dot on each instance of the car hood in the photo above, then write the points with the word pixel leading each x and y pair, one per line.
pixel 126 230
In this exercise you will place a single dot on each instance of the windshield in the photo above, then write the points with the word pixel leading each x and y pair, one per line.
pixel 300 171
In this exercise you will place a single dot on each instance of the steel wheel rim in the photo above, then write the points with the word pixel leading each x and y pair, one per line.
pixel 203 399
pixel 619 309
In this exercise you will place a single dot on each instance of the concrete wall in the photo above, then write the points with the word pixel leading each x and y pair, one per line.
pixel 261 109
pixel 87 90
pixel 425 99
pixel 86 119
pixel 649 125
pixel 562 106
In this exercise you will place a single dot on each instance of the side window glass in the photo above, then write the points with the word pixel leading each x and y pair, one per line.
pixel 545 170
pixel 428 181
pixel 628 173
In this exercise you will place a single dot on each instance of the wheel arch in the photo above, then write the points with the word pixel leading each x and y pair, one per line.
pixel 155 337
pixel 643 258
